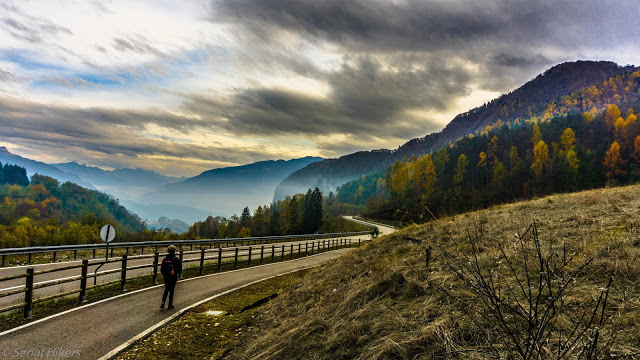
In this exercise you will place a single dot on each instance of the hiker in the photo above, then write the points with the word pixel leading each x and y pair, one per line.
pixel 171 268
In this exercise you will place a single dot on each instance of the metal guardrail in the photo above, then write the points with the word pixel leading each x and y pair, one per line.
pixel 221 256
pixel 4 253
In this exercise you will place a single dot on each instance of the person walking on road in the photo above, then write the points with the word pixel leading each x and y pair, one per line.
pixel 171 269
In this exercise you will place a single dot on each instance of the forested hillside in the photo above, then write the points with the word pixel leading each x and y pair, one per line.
pixel 298 214
pixel 588 139
pixel 532 99
pixel 41 211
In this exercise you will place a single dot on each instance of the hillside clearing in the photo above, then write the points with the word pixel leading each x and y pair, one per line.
pixel 381 302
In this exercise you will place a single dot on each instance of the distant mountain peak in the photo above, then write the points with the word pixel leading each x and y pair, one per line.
pixel 524 102
pixel 4 151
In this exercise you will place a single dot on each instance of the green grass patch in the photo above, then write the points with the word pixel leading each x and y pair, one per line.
pixel 198 335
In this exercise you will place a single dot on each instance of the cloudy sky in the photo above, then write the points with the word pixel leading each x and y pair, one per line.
pixel 184 86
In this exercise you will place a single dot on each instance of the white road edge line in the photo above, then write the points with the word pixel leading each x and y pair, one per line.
pixel 120 349
pixel 137 291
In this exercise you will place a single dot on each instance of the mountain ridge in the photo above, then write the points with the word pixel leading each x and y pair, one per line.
pixel 42 168
pixel 530 98
pixel 220 191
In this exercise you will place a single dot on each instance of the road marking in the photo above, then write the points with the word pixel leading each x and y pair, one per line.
pixel 126 345
pixel 137 291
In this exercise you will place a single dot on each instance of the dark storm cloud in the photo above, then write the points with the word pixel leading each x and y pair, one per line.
pixel 363 100
pixel 431 25
pixel 509 41
pixel 405 55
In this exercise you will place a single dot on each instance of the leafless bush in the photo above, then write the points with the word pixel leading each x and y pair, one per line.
pixel 530 302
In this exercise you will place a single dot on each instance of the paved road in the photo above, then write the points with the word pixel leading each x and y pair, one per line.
pixel 384 229
pixel 228 254
pixel 94 330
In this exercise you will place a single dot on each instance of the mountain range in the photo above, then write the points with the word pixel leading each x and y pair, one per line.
pixel 529 100
pixel 151 195
pixel 227 190
pixel 37 167
pixel 124 184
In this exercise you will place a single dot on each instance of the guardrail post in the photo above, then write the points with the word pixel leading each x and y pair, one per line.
pixel 299 248
pixel 75 254
pixel 3 260
pixel 111 252
pixel 156 259
pixel 29 258
pixel 313 247
pixel 249 261
pixel 282 254
pixel 142 251
pixel 181 257
pixel 306 249
pixel 83 281
pixel 291 252
pixel 201 261
pixel 190 247
pixel 123 274
pixel 94 253
pixel 219 257
pixel 28 294
pixel 54 257
pixel 273 252
pixel 358 242
pixel 235 259
pixel 261 254
pixel 126 251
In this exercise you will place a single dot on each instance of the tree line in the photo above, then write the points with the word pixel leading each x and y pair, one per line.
pixel 41 211
pixel 519 160
pixel 297 214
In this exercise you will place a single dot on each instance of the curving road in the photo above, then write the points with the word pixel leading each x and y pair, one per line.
pixel 95 330
pixel 41 279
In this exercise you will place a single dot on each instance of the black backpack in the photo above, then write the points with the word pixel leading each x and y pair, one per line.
pixel 167 269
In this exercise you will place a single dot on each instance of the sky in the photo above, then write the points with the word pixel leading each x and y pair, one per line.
pixel 182 86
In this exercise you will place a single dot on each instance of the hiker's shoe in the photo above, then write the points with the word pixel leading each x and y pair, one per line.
pixel 170 307
pixel 162 306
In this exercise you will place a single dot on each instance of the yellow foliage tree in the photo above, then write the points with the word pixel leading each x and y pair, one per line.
pixel 540 159
pixel 492 149
pixel 612 161
pixel 458 177
pixel 636 148
pixel 612 114
pixel 424 176
pixel 568 139
pixel 400 181
pixel 573 163
pixel 537 134
pixel 244 232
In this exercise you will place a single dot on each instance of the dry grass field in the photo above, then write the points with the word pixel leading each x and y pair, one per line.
pixel 381 301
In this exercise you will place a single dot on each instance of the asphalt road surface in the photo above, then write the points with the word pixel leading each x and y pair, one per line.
pixel 228 254
pixel 94 330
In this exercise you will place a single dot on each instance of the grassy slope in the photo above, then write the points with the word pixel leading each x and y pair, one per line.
pixel 381 302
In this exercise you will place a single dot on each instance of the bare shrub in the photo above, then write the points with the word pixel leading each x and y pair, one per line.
pixel 530 302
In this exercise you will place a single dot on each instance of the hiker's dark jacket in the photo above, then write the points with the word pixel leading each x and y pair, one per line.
pixel 177 266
